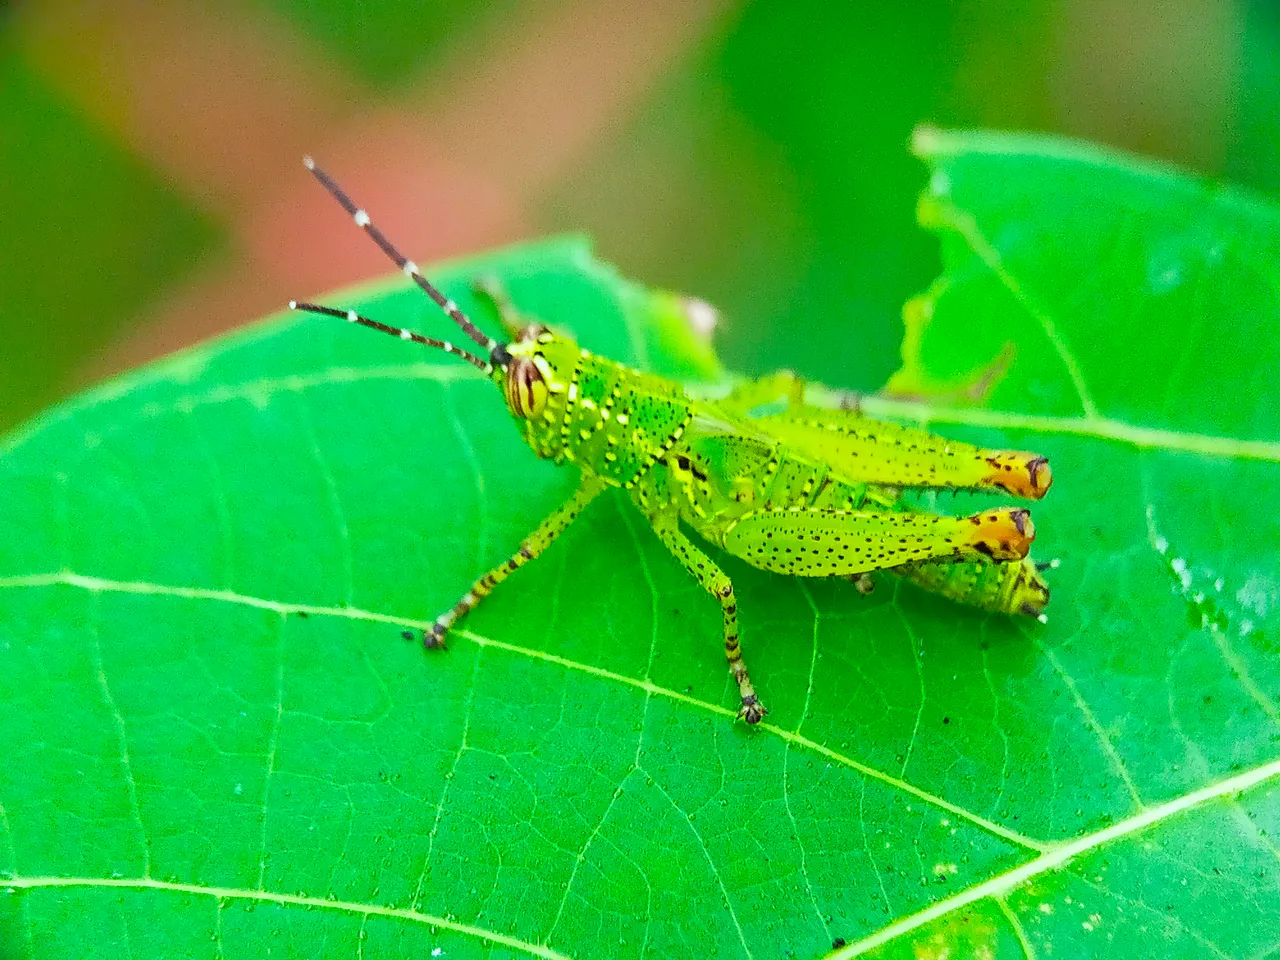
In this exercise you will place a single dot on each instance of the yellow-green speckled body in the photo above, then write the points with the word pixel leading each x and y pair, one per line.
pixel 761 487
pixel 799 490
pixel 1015 587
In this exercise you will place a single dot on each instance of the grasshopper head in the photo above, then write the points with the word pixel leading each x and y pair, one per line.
pixel 533 367
pixel 536 373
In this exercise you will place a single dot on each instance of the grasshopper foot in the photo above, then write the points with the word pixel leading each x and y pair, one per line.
pixel 850 401
pixel 433 636
pixel 753 710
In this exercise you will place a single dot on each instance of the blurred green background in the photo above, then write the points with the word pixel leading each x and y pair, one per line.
pixel 753 153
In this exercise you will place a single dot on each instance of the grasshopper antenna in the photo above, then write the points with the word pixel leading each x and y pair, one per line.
pixel 352 317
pixel 410 269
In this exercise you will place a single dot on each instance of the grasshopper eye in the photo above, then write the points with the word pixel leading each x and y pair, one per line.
pixel 525 389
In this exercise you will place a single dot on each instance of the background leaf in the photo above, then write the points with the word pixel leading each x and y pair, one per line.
pixel 217 745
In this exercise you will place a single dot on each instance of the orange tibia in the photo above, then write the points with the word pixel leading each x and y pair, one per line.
pixel 1003 534
pixel 1020 473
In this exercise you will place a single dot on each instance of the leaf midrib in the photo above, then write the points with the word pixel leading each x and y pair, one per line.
pixel 284 609
pixel 287 899
pixel 1095 427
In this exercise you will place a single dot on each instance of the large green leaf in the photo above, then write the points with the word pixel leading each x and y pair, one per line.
pixel 215 743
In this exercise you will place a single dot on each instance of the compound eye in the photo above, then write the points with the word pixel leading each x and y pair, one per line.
pixel 526 390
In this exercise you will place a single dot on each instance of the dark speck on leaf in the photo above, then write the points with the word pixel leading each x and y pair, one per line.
pixel 407 634
pixel 302 614
pixel 946 719
pixel 837 943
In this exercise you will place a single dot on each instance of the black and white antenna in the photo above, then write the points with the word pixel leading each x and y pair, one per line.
pixel 352 317
pixel 495 350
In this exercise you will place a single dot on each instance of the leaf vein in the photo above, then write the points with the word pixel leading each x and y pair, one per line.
pixel 1019 933
pixel 966 225
pixel 715 871
pixel 1239 669
pixel 1005 750
pixel 293 900
pixel 1091 720
pixel 448 779
pixel 1164 918
pixel 221 503
pixel 581 856
pixel 272 743
pixel 914 643
pixel 866 848
pixel 334 496
pixel 122 740
pixel 786 765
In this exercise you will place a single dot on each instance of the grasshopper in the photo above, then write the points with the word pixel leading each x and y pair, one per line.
pixel 803 491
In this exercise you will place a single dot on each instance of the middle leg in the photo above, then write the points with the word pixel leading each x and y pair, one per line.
pixel 713 580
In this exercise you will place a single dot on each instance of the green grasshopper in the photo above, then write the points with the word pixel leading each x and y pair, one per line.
pixel 804 491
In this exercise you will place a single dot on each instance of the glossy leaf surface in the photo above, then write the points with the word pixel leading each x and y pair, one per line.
pixel 216 743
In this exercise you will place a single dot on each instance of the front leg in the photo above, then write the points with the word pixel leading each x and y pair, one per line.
pixel 533 545
pixel 514 321
pixel 667 526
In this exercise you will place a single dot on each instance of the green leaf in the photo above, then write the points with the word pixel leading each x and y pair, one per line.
pixel 217 745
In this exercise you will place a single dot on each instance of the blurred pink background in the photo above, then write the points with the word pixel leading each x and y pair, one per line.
pixel 753 153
